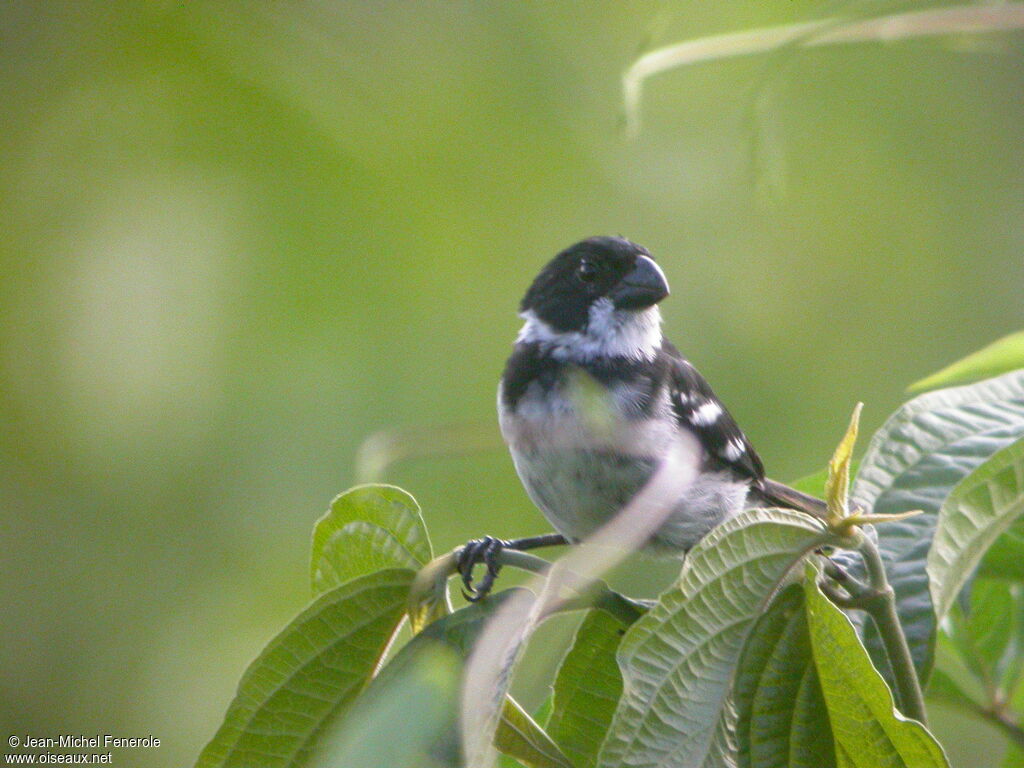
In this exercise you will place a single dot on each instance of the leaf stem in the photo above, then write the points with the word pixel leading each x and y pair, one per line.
pixel 881 607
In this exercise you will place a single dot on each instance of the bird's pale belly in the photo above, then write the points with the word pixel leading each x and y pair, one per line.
pixel 578 491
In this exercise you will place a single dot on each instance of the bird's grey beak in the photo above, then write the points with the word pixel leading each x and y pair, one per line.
pixel 642 287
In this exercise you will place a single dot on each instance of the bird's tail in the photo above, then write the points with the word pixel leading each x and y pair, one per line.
pixel 775 494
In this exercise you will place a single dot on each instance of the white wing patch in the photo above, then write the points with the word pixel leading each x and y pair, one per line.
pixel 707 414
pixel 733 450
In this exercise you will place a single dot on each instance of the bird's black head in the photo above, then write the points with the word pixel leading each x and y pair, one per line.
pixel 614 269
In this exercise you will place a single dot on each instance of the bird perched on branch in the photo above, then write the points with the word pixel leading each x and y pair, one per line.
pixel 593 398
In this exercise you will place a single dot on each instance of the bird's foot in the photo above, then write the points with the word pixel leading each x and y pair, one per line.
pixel 484 551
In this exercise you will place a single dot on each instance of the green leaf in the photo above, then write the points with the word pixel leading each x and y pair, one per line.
pixel 982 506
pixel 985 641
pixel 540 717
pixel 810 717
pixel 396 723
pixel 1014 757
pixel 781 717
pixel 587 688
pixel 814 484
pixel 1005 558
pixel 521 737
pixel 543 712
pixel 943 688
pixel 837 484
pixel 913 462
pixel 367 528
pixel 678 659
pixel 952 681
pixel 868 730
pixel 986 631
pixel 313 669
pixel 517 735
pixel 1005 354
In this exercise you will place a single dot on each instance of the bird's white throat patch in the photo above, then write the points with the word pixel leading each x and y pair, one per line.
pixel 610 333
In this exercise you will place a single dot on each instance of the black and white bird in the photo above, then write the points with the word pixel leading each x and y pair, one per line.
pixel 592 316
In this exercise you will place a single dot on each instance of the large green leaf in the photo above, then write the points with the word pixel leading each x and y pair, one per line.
pixel 868 731
pixel 913 462
pixel 517 734
pixel 367 528
pixel 312 670
pixel 396 723
pixel 782 721
pixel 678 659
pixel 587 688
pixel 981 507
pixel 1002 355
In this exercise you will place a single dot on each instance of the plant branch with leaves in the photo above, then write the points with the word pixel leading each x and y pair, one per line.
pixel 786 640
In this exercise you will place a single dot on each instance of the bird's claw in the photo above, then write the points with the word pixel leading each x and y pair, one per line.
pixel 484 551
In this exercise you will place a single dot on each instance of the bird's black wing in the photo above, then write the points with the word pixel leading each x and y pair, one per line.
pixel 699 410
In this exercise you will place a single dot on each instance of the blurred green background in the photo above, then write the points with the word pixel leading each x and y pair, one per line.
pixel 238 238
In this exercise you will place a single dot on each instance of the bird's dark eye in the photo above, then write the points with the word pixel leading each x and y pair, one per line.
pixel 587 271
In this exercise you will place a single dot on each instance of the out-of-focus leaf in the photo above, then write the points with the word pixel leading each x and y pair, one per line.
pixel 986 637
pixel 540 717
pixel 868 730
pixel 396 723
pixel 913 462
pixel 986 630
pixel 1002 355
pixel 813 484
pixel 678 660
pixel 517 735
pixel 1005 558
pixel 782 721
pixel 543 713
pixel 1011 670
pixel 521 737
pixel 587 689
pixel 943 688
pixel 981 506
pixel 953 682
pixel 367 528
pixel 313 669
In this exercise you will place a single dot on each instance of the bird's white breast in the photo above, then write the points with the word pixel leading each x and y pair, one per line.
pixel 580 469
